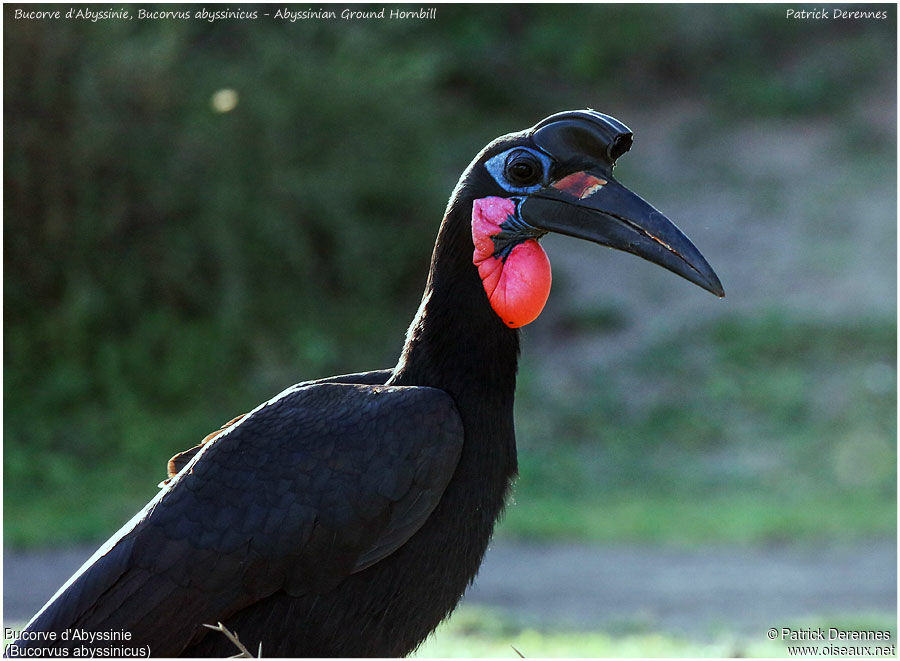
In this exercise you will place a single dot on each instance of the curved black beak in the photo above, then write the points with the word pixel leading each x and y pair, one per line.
pixel 592 205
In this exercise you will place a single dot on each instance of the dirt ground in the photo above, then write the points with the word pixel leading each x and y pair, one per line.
pixel 687 592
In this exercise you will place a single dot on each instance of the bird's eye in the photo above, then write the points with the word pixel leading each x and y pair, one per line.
pixel 523 169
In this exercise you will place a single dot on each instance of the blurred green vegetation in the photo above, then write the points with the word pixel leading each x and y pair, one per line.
pixel 748 429
pixel 479 632
pixel 486 633
pixel 168 266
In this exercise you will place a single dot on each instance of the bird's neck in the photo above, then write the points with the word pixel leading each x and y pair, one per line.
pixel 456 342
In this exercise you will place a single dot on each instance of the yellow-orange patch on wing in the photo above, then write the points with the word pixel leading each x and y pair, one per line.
pixel 181 459
pixel 580 184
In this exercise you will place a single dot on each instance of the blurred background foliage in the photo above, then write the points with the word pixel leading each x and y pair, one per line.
pixel 169 265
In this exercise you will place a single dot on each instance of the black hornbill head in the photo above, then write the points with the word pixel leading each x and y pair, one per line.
pixel 557 177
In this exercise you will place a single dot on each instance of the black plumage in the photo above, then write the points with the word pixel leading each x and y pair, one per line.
pixel 347 516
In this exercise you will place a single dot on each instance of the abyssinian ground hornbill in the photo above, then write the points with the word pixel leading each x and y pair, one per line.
pixel 347 516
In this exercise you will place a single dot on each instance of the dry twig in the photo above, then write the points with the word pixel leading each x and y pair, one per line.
pixel 244 653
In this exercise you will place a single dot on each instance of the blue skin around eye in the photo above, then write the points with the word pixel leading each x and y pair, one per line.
pixel 496 164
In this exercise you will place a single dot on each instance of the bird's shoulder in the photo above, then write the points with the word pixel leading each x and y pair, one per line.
pixel 321 481
pixel 181 459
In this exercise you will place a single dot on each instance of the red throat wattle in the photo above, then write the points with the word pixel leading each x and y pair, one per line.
pixel 517 286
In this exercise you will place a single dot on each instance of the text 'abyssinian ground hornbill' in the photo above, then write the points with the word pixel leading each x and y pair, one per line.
pixel 347 516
